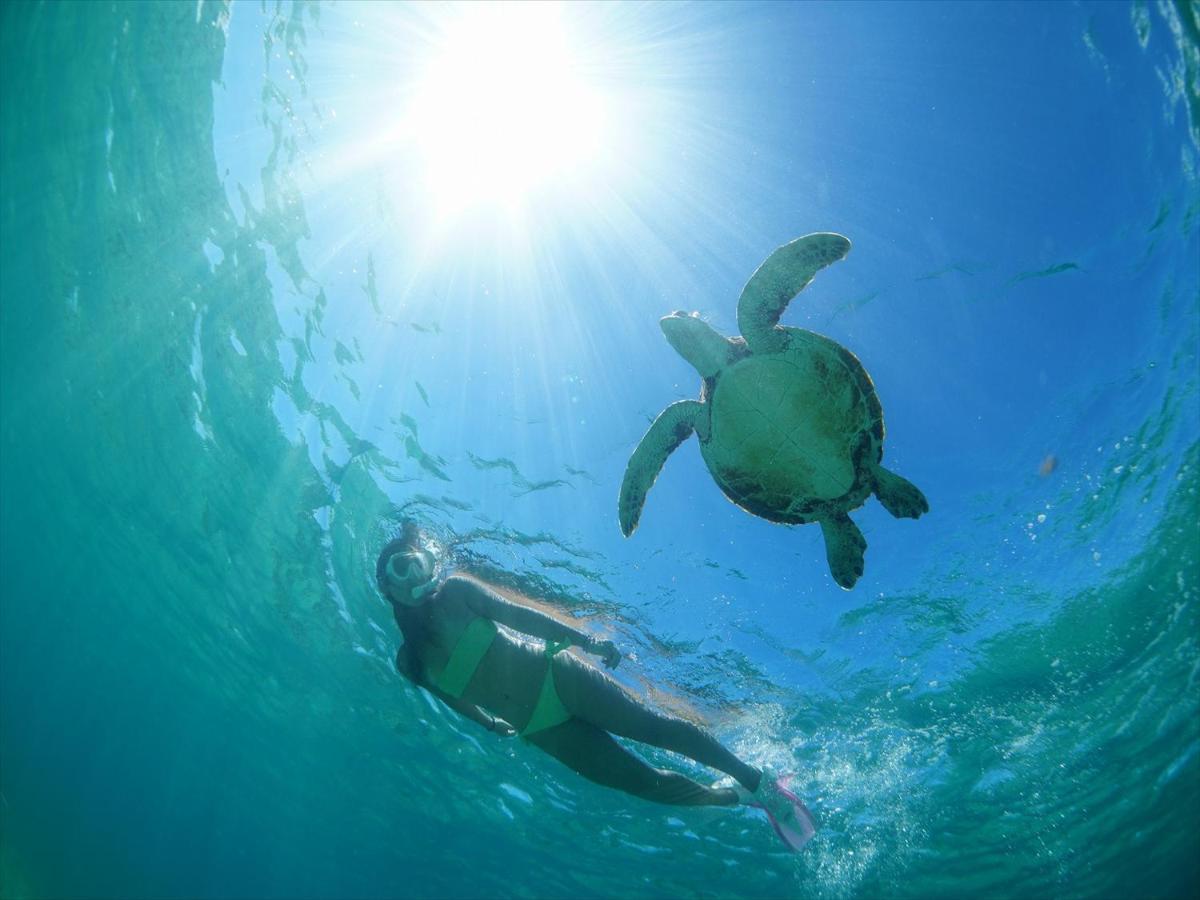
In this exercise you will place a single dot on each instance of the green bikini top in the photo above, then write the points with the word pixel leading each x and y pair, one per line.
pixel 467 654
pixel 472 646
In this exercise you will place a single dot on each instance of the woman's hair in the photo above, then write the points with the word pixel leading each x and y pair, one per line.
pixel 408 662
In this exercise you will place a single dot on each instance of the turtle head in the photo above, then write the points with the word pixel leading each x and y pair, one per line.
pixel 696 341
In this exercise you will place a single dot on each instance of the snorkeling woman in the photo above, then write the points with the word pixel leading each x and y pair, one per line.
pixel 515 680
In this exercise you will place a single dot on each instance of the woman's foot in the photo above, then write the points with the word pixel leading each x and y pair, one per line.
pixel 790 817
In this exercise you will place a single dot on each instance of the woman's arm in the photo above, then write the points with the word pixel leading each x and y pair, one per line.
pixel 485 602
pixel 473 712
pixel 404 665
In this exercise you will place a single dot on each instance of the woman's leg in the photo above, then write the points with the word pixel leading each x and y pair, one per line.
pixel 591 695
pixel 595 754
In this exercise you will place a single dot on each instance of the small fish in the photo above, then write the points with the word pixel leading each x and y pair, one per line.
pixel 421 391
pixel 1049 464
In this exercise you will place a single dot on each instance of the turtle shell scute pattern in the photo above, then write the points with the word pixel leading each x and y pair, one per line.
pixel 794 435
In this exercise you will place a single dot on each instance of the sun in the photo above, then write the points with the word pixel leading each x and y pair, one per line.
pixel 503 108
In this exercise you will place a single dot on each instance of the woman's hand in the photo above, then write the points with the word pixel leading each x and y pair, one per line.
pixel 502 728
pixel 607 651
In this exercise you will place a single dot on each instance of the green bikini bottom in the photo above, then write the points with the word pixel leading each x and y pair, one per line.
pixel 549 710
pixel 472 646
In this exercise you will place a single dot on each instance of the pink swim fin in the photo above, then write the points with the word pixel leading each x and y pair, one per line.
pixel 789 816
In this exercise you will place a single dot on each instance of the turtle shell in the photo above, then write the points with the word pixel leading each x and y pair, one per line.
pixel 794 434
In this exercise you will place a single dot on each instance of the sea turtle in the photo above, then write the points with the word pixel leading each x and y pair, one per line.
pixel 788 420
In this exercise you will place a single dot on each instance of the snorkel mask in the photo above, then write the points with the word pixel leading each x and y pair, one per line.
pixel 411 576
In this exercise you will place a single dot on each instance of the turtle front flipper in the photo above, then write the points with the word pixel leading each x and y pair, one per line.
pixel 783 275
pixel 844 548
pixel 673 426
pixel 899 496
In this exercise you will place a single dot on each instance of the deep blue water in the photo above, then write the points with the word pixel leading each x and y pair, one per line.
pixel 238 345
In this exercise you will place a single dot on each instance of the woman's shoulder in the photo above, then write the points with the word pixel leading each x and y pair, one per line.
pixel 461 585
pixel 456 595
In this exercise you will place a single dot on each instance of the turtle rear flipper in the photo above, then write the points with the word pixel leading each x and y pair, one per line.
pixel 844 548
pixel 899 496
pixel 673 426
pixel 783 275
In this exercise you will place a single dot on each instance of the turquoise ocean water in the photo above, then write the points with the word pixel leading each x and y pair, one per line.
pixel 235 351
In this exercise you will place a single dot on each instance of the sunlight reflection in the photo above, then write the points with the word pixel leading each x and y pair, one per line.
pixel 504 106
